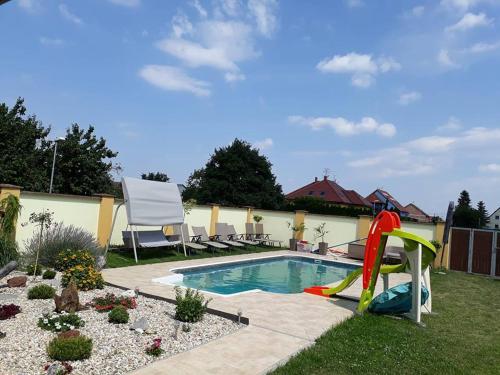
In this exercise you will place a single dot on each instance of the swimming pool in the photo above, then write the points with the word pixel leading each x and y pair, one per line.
pixel 283 274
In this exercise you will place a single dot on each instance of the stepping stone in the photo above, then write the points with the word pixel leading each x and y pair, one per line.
pixel 140 324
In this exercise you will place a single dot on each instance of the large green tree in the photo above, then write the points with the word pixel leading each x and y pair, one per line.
pixel 155 176
pixel 83 164
pixel 465 215
pixel 482 214
pixel 236 175
pixel 23 148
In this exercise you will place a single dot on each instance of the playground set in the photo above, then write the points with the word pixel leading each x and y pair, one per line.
pixel 400 299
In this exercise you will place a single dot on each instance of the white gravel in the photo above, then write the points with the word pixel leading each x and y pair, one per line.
pixel 117 349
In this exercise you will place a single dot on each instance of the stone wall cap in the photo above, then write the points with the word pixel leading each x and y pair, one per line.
pixel 104 195
pixel 10 186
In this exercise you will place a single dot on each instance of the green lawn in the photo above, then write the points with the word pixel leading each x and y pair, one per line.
pixel 462 337
pixel 125 257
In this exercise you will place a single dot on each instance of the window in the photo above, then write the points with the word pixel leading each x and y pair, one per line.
pixel 311 192
pixel 322 193
pixel 497 217
pixel 496 226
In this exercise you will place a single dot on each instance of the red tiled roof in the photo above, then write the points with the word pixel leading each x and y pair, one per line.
pixel 329 191
pixel 415 211
pixel 373 197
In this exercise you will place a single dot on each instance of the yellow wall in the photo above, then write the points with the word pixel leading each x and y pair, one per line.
pixel 234 216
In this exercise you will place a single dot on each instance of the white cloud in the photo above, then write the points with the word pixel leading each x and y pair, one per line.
pixel 453 124
pixel 491 168
pixel 354 3
pixel 201 11
pixel 264 144
pixel 418 10
pixel 30 6
pixel 460 5
pixel 362 67
pixel 52 42
pixel 181 25
pixel 67 14
pixel 234 77
pixel 264 12
pixel 445 60
pixel 344 127
pixel 470 21
pixel 432 144
pixel 173 79
pixel 409 97
pixel 126 3
pixel 482 47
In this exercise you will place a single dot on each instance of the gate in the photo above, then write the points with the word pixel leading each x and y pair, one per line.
pixel 475 251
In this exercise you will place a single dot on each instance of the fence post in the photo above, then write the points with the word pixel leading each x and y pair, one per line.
pixel 105 218
pixel 6 190
pixel 363 227
pixel 214 218
pixel 300 218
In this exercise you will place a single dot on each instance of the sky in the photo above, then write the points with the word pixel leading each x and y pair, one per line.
pixel 399 95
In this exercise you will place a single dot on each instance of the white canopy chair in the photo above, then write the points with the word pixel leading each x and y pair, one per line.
pixel 150 203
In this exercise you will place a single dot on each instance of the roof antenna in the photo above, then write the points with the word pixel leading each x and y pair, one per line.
pixel 326 172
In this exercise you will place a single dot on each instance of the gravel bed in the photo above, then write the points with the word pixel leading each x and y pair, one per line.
pixel 117 349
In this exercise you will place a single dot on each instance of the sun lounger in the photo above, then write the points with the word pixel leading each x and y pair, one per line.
pixel 222 235
pixel 250 235
pixel 201 236
pixel 148 238
pixel 259 234
pixel 189 243
pixel 232 235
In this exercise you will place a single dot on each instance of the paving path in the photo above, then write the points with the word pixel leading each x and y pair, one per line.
pixel 280 324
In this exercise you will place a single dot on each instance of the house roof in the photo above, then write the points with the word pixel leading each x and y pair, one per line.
pixel 414 210
pixel 373 198
pixel 329 191
pixel 494 212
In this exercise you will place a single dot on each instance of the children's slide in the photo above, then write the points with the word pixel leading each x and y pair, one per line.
pixel 384 225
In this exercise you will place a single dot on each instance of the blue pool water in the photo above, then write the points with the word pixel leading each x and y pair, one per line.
pixel 277 275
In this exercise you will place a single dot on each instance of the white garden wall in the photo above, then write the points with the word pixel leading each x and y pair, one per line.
pixel 275 223
pixel 340 229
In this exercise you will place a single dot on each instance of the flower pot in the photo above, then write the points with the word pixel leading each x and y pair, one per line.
pixel 293 244
pixel 323 248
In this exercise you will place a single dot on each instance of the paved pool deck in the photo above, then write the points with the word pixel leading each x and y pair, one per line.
pixel 281 325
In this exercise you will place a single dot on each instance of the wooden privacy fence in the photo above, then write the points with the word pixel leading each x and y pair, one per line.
pixel 475 251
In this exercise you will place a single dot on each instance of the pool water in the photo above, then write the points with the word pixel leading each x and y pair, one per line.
pixel 283 275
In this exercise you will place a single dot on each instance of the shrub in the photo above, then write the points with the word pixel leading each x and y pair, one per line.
pixel 57 238
pixel 70 349
pixel 109 301
pixel 191 306
pixel 30 269
pixel 118 315
pixel 155 348
pixel 42 291
pixel 9 311
pixel 67 259
pixel 60 322
pixel 49 275
pixel 8 250
pixel 85 277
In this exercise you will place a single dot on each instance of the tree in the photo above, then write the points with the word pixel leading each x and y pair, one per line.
pixel 482 214
pixel 158 176
pixel 83 163
pixel 464 199
pixel 24 148
pixel 236 175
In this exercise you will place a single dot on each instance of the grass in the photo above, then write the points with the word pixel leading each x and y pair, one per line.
pixel 462 337
pixel 125 257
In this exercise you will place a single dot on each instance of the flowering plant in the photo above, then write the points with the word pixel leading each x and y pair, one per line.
pixel 9 311
pixel 109 301
pixel 85 277
pixel 155 348
pixel 60 322
pixel 70 258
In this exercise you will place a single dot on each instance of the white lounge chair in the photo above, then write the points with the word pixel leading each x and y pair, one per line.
pixel 185 231
pixel 201 236
pixel 222 235
pixel 232 235
pixel 250 235
pixel 148 238
pixel 259 233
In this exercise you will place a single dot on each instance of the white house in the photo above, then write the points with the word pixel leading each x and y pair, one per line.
pixel 494 222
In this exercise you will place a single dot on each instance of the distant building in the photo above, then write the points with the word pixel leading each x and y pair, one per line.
pixel 331 192
pixel 418 214
pixel 382 200
pixel 494 218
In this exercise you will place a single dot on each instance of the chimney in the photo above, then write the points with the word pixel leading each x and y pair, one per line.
pixel 325 178
pixel 315 179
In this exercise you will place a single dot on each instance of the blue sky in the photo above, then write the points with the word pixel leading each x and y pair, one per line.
pixel 402 95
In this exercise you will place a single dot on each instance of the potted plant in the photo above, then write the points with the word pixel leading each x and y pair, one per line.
pixel 299 228
pixel 257 218
pixel 320 232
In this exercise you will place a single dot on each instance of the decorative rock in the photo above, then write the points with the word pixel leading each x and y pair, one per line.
pixel 141 324
pixel 56 369
pixel 128 294
pixel 2 335
pixel 17 282
pixel 8 268
pixel 69 334
pixel 68 301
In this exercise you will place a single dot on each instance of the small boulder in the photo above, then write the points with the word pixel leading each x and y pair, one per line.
pixel 17 281
pixel 69 334
pixel 130 293
pixel 2 335
pixel 141 325
pixel 68 300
